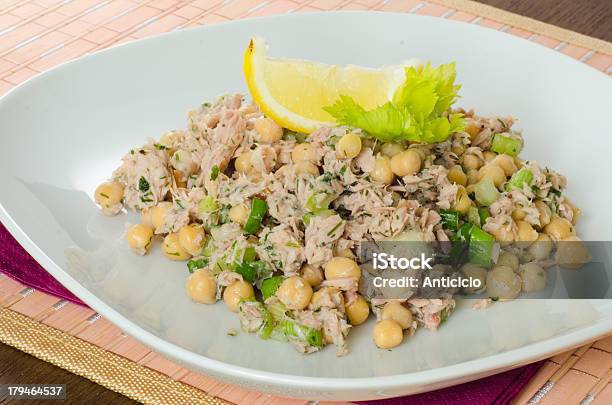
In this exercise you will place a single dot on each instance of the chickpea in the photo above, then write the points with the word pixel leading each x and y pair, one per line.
pixel 474 272
pixel 391 149
pixel 387 334
pixel 533 277
pixel 509 260
pixel 329 297
pixel 192 238
pixel 139 238
pixel 489 155
pixel 526 233
pixel 472 162
pixel 344 253
pixel 295 293
pixel 348 146
pixel 559 228
pixel 456 175
pixel 462 201
pixel 457 150
pixel 545 213
pixel 496 174
pixel 518 215
pixel 576 211
pixel 172 248
pixel 305 167
pixel 179 178
pixel 572 253
pixel 170 138
pixel 395 311
pixel 541 248
pixel 145 216
pixel 406 163
pixel 506 162
pixel 202 287
pixel 503 283
pixel 182 161
pixel 382 170
pixel 472 176
pixel 159 213
pixel 109 194
pixel 342 267
pixel 358 311
pixel 236 292
pixel 472 130
pixel 243 163
pixel 303 151
pixel 239 214
pixel 312 275
pixel 268 130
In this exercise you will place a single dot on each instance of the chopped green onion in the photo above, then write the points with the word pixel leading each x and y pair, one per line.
pixel 484 213
pixel 249 254
pixel 486 192
pixel 449 219
pixel 270 285
pixel 207 205
pixel 258 211
pixel 319 202
pixel 305 334
pixel 506 145
pixel 473 216
pixel 519 179
pixel 480 250
pixel 277 310
pixel 307 217
pixel 195 264
pixel 247 271
pixel 323 213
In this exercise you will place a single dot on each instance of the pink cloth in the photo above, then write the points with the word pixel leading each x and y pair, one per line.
pixel 498 389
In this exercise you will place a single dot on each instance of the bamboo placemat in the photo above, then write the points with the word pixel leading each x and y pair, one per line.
pixel 38 35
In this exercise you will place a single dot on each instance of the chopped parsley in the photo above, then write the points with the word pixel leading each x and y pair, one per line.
pixel 160 146
pixel 143 185
pixel 214 172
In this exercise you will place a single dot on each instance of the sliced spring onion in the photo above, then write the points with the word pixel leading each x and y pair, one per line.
pixel 323 213
pixel 486 192
pixel 484 213
pixel 450 219
pixel 214 172
pixel 258 211
pixel 247 271
pixel 195 264
pixel 207 205
pixel 474 216
pixel 506 145
pixel 481 246
pixel 305 334
pixel 319 202
pixel 249 254
pixel 267 327
pixel 270 285
pixel 520 178
pixel 278 311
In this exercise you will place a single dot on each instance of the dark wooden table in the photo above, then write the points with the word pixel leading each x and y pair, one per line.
pixel 590 17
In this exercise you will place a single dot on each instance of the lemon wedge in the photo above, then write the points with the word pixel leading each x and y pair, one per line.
pixel 293 92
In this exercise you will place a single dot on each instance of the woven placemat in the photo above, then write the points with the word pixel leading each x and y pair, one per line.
pixel 40 34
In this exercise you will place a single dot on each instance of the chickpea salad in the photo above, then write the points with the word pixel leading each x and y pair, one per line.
pixel 270 220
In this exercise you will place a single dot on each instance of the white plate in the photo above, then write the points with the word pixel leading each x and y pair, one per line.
pixel 62 133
